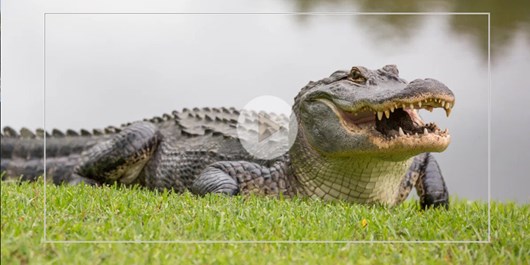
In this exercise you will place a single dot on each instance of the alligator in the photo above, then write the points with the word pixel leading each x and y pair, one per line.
pixel 360 139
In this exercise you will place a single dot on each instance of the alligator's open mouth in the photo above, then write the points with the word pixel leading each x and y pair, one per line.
pixel 393 120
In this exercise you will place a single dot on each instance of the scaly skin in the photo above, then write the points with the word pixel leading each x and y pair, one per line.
pixel 360 140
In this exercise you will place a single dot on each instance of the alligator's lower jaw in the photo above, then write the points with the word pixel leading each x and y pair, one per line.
pixel 410 144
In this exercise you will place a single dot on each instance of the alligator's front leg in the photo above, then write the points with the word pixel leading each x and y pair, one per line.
pixel 242 177
pixel 425 175
pixel 430 185
pixel 119 159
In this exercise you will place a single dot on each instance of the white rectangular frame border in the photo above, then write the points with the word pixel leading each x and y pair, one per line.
pixel 45 239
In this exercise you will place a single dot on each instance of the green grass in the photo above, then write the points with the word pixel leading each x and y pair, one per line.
pixel 115 213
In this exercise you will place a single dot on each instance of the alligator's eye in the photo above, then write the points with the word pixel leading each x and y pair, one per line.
pixel 356 76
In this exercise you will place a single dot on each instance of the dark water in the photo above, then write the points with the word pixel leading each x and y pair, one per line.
pixel 108 69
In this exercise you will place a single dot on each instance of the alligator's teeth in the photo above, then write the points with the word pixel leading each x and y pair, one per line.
pixel 387 114
pixel 391 109
pixel 411 106
pixel 379 115
pixel 425 131
pixel 400 131
pixel 404 107
pixel 448 105
pixel 447 112
pixel 443 103
pixel 419 104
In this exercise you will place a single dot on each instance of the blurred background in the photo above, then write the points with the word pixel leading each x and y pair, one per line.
pixel 108 69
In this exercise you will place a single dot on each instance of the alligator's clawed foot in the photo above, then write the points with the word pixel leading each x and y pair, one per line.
pixel 77 180
pixel 429 201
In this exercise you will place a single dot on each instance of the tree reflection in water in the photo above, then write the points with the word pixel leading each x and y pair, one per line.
pixel 508 18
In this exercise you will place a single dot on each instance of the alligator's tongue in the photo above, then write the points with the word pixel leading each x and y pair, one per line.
pixel 399 118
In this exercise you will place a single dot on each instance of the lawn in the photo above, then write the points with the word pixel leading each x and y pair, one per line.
pixel 134 215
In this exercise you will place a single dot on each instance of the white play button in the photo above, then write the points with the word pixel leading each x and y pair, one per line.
pixel 267 127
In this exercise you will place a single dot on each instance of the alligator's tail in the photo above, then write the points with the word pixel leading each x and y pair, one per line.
pixel 58 169
pixel 23 153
